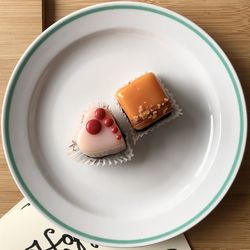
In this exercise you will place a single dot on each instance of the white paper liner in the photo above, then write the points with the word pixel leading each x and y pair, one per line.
pixel 119 158
pixel 176 112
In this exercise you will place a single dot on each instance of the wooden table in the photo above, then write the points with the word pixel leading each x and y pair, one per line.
pixel 20 23
pixel 227 21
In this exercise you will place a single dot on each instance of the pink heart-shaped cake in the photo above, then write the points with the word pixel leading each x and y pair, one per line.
pixel 99 134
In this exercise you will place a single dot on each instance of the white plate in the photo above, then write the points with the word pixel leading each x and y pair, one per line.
pixel 179 173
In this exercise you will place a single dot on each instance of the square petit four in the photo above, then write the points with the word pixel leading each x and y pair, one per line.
pixel 144 101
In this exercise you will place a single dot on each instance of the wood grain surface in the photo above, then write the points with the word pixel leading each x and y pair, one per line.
pixel 20 23
pixel 227 21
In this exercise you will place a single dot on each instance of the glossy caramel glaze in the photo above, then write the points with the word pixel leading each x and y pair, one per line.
pixel 144 101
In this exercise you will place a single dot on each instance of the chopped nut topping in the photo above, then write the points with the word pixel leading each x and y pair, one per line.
pixel 136 118
pixel 151 111
pixel 140 109
pixel 165 110
pixel 154 116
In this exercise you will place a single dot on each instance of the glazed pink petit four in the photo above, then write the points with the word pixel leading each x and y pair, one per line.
pixel 100 135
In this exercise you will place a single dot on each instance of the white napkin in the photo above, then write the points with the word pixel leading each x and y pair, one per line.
pixel 24 228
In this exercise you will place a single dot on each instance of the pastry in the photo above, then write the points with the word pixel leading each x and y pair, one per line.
pixel 144 101
pixel 99 134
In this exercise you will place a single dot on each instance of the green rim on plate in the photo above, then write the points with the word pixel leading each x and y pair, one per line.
pixel 158 11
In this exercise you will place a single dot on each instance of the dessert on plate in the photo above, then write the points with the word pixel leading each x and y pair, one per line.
pixel 144 104
pixel 99 134
pixel 144 101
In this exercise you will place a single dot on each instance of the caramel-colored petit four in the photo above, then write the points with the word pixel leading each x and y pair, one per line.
pixel 144 101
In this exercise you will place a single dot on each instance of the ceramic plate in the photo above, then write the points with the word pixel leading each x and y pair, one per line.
pixel 179 173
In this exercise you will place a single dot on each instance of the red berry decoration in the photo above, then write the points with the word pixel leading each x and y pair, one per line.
pixel 114 129
pixel 100 113
pixel 108 122
pixel 119 137
pixel 93 126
